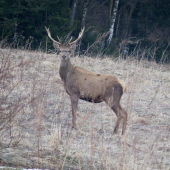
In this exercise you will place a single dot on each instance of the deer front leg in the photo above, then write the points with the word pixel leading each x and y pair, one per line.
pixel 74 105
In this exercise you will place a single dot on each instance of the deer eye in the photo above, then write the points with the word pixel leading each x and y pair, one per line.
pixel 64 51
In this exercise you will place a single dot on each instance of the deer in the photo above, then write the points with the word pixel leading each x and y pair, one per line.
pixel 86 85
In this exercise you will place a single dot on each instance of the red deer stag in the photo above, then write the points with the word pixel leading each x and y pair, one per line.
pixel 82 84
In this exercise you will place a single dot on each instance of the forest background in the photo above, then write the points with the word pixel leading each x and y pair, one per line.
pixel 129 26
pixel 35 111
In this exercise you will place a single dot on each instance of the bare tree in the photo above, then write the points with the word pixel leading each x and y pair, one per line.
pixel 73 11
pixel 85 7
pixel 132 7
pixel 113 13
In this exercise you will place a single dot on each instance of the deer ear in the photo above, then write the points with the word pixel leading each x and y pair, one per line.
pixel 56 45
pixel 72 47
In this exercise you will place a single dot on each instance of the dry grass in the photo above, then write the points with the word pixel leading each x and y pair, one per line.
pixel 35 116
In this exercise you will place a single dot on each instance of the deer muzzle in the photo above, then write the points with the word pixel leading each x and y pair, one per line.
pixel 64 57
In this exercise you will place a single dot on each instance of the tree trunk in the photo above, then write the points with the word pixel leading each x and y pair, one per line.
pixel 132 7
pixel 85 7
pixel 113 19
pixel 73 10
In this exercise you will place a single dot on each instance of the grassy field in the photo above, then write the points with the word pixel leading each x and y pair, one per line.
pixel 36 120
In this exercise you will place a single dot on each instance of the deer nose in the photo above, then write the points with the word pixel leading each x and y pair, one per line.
pixel 64 57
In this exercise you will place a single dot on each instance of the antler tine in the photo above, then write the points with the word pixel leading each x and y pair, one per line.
pixel 59 39
pixel 49 35
pixel 70 40
pixel 80 35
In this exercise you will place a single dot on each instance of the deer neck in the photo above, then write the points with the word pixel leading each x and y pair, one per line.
pixel 65 68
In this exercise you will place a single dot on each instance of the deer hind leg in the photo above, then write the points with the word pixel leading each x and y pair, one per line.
pixel 120 113
pixel 124 121
pixel 74 105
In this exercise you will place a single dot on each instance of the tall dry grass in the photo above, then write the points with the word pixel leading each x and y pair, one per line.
pixel 35 115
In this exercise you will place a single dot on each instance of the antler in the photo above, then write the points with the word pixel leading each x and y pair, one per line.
pixel 69 43
pixel 80 35
pixel 49 35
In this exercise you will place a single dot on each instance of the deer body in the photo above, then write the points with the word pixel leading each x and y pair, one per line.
pixel 82 84
pixel 88 85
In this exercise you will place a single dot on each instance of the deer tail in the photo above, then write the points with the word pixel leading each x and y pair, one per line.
pixel 124 86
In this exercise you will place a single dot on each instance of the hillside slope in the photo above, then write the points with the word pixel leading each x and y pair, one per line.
pixel 35 115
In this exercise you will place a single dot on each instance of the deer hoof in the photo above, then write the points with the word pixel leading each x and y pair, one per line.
pixel 114 132
pixel 74 127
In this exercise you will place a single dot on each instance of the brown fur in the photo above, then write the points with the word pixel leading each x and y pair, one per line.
pixel 82 84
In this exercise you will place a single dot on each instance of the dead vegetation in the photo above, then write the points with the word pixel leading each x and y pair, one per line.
pixel 35 115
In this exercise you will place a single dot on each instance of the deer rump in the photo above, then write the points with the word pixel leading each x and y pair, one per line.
pixel 93 87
